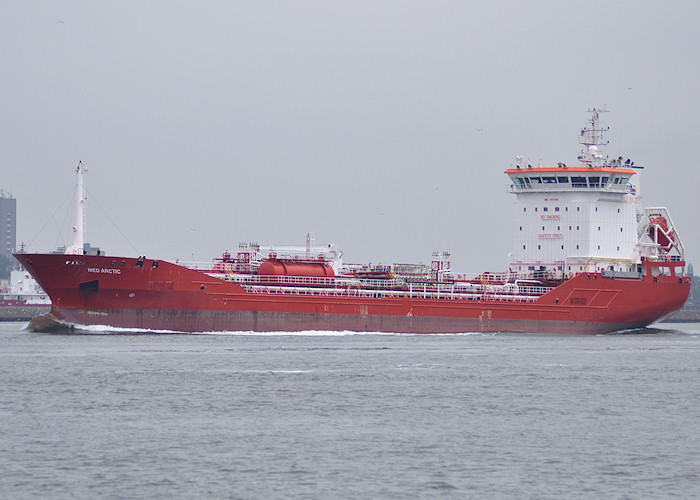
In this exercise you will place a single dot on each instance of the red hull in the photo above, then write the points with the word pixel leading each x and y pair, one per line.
pixel 147 294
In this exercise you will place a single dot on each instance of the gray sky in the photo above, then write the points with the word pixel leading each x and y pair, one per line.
pixel 381 126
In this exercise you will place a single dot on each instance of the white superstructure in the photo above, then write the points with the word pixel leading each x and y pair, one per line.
pixel 23 287
pixel 588 217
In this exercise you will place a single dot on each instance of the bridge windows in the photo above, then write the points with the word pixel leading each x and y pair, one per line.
pixel 579 182
pixel 582 180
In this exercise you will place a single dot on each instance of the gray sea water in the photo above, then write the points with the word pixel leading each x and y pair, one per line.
pixel 323 415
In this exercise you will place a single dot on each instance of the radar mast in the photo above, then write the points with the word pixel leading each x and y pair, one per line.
pixel 592 138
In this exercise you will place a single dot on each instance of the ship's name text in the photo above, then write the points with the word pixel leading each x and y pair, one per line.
pixel 104 270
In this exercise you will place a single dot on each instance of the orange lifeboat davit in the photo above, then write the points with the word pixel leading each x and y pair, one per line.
pixel 659 231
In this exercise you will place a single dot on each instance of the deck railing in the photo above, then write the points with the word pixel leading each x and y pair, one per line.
pixel 307 285
pixel 529 294
pixel 485 286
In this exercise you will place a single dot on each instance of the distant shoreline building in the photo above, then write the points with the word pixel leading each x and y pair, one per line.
pixel 8 224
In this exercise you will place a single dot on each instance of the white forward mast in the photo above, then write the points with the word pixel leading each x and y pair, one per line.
pixel 77 248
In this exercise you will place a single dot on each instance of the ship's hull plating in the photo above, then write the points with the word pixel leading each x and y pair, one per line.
pixel 147 294
pixel 170 320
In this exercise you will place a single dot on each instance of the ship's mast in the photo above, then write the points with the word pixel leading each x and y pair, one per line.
pixel 592 139
pixel 79 228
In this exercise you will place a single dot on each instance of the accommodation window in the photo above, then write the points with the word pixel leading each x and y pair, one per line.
pixel 546 209
pixel 556 209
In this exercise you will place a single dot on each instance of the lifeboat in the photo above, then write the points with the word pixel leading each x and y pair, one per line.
pixel 663 236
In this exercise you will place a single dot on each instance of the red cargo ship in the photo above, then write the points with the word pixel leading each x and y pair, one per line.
pixel 589 259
